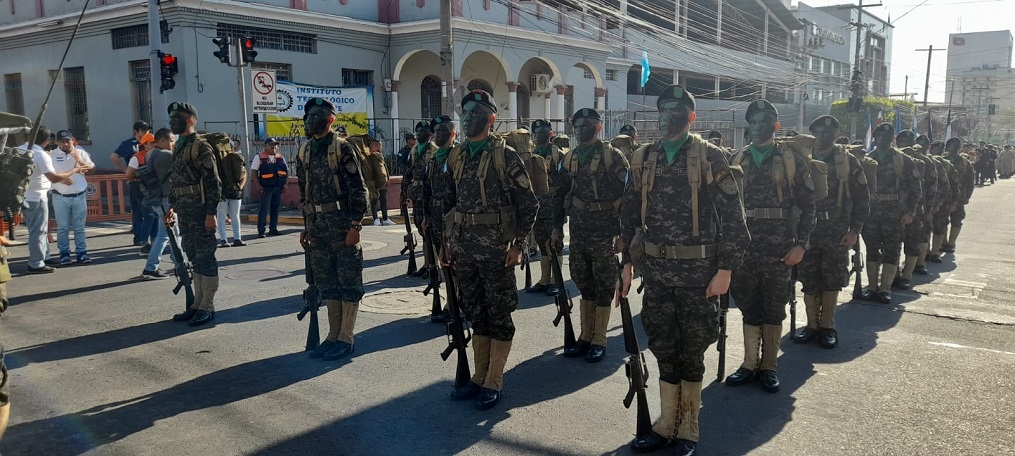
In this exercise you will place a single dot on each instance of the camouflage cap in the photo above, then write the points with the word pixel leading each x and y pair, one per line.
pixel 628 130
pixel 423 124
pixel 923 138
pixel 906 134
pixel 481 97
pixel 714 134
pixel 184 107
pixel 585 113
pixel 884 126
pixel 760 106
pixel 953 139
pixel 825 121
pixel 318 101
pixel 440 120
pixel 676 93
pixel 541 123
pixel 937 144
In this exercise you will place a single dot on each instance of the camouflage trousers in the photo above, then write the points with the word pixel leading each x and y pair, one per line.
pixel 542 230
pixel 882 234
pixel 914 235
pixel 825 266
pixel 940 225
pixel 681 324
pixel 958 215
pixel 594 268
pixel 338 268
pixel 489 295
pixel 760 289
pixel 197 242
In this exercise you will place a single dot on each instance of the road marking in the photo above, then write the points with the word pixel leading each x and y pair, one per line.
pixel 951 345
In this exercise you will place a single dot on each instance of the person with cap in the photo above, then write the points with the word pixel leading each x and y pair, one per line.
pixel 824 270
pixel 778 194
pixel 70 205
pixel 942 195
pixel 271 172
pixel 36 211
pixel 950 191
pixel 682 223
pixel 913 235
pixel 542 133
pixel 630 130
pixel 334 197
pixel 152 170
pixel 896 191
pixel 193 205
pixel 967 182
pixel 435 190
pixel 120 158
pixel 715 137
pixel 490 210
pixel 403 159
pixel 590 188
pixel 413 182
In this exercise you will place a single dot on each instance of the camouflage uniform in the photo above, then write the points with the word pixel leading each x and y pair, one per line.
pixel 416 188
pixel 546 219
pixel 967 182
pixel 897 194
pixel 916 234
pixel 196 191
pixel 953 196
pixel 590 191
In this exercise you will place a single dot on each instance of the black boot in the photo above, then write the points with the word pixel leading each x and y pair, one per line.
pixel 934 259
pixel 685 447
pixel 338 351
pixel 769 381
pixel 322 349
pixel 201 317
pixel 869 295
pixel 649 443
pixel 580 349
pixel 595 354
pixel 487 399
pixel 443 317
pixel 829 339
pixel 885 297
pixel 805 335
pixel 469 391
pixel 741 377
pixel 552 290
pixel 921 269
pixel 903 284
pixel 185 315
pixel 537 288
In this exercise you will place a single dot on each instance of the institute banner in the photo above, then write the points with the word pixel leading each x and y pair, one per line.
pixel 355 106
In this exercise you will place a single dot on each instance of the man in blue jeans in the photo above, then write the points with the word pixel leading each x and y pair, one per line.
pixel 70 207
pixel 272 173
pixel 151 171
pixel 120 158
pixel 37 197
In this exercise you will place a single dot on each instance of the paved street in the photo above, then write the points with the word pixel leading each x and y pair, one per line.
pixel 97 367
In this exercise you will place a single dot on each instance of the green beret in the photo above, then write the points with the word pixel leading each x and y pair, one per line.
pixel 628 129
pixel 481 97
pixel 585 113
pixel 907 134
pixel 182 107
pixel 440 120
pixel 884 126
pixel 676 93
pixel 824 122
pixel 318 101
pixel 760 106
pixel 541 123
pixel 423 124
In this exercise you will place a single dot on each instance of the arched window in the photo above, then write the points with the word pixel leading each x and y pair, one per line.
pixel 430 97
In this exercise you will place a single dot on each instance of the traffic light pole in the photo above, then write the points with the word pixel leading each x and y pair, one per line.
pixel 245 141
pixel 159 118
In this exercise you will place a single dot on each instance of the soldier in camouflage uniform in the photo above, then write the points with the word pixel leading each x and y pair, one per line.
pixel 896 190
pixel 413 183
pixel 967 181
pixel 840 217
pixel 553 156
pixel 683 225
pixel 949 201
pixel 631 131
pixel 779 206
pixel 943 197
pixel 915 237
pixel 435 189
pixel 196 190
pixel 334 199
pixel 491 211
pixel 590 189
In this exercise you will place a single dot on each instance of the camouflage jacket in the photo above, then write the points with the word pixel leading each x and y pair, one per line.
pixel 929 181
pixel 415 177
pixel 776 236
pixel 851 215
pixel 438 179
pixel 967 176
pixel 202 172
pixel 907 186
pixel 669 216
pixel 317 186
pixel 592 199
pixel 951 179
pixel 554 168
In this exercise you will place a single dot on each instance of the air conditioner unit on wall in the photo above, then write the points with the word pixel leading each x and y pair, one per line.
pixel 540 83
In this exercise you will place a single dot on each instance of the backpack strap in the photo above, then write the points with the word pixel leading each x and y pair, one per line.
pixel 597 157
pixel 195 148
pixel 842 172
pixel 334 155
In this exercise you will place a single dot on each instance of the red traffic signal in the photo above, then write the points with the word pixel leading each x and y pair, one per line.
pixel 168 60
pixel 248 44
pixel 249 54
pixel 169 68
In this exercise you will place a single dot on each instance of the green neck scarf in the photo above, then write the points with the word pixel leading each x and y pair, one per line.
pixel 544 150
pixel 761 153
pixel 673 147
pixel 442 153
pixel 477 147
pixel 181 141
pixel 420 148
pixel 585 153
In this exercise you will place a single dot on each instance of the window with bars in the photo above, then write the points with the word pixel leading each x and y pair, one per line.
pixel 77 102
pixel 611 75
pixel 588 74
pixel 351 77
pixel 14 93
pixel 272 39
pixel 140 90
pixel 283 71
pixel 430 97
pixel 135 36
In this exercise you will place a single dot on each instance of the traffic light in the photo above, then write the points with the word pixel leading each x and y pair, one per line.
pixel 247 45
pixel 169 67
pixel 223 53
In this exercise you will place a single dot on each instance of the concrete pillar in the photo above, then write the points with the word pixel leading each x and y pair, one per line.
pixel 394 106
pixel 511 118
pixel 560 114
pixel 764 90
pixel 601 99
pixel 676 76
pixel 546 107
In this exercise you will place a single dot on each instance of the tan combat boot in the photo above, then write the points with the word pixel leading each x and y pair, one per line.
pixel 885 290
pixel 808 333
pixel 195 284
pixel 921 259
pixel 587 312
pixel 334 309
pixel 544 270
pixel 953 236
pixel 690 405
pixel 206 307
pixel 873 268
pixel 346 324
pixel 489 396
pixel 907 272
pixel 771 336
pixel 601 323
pixel 748 371
pixel 481 356
pixel 827 335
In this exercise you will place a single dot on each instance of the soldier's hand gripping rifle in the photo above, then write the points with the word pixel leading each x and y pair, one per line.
pixel 636 368
pixel 183 268
pixel 724 308
pixel 458 335
pixel 563 301
pixel 311 302
pixel 857 270
pixel 410 240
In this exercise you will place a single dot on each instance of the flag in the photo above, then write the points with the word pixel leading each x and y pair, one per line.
pixel 646 70
pixel 914 122
pixel 881 118
pixel 898 119
pixel 870 133
pixel 948 125
pixel 930 128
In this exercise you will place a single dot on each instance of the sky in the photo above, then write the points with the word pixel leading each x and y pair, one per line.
pixel 918 26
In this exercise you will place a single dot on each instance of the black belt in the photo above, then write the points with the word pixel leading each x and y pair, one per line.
pixel 188 190
pixel 325 208
pixel 767 213
pixel 68 195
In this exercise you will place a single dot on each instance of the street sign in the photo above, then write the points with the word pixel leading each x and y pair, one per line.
pixel 263 94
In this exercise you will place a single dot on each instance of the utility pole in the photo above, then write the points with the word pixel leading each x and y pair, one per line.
pixel 158 100
pixel 857 89
pixel 926 86
pixel 243 100
pixel 447 62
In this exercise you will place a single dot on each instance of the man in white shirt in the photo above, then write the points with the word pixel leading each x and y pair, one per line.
pixel 37 212
pixel 70 207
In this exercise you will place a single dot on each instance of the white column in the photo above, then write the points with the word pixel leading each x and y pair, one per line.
pixel 546 107
pixel 560 114
pixel 717 87
pixel 765 43
pixel 764 90
pixel 600 99
pixel 512 115
pixel 394 106
pixel 676 76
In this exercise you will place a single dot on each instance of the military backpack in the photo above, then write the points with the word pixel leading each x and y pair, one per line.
pixel 232 169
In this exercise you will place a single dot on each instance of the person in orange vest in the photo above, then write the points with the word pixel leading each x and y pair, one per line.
pixel 272 173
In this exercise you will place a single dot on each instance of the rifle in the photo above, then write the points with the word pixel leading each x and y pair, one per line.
pixel 434 275
pixel 182 266
pixel 410 240
pixel 636 368
pixel 458 335
pixel 792 302
pixel 724 308
pixel 311 302
pixel 563 302
pixel 858 271
pixel 527 266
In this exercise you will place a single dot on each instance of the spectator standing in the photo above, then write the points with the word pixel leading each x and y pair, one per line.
pixel 402 160
pixel 379 192
pixel 70 207
pixel 121 157
pixel 232 198
pixel 37 199
pixel 152 171
pixel 271 172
